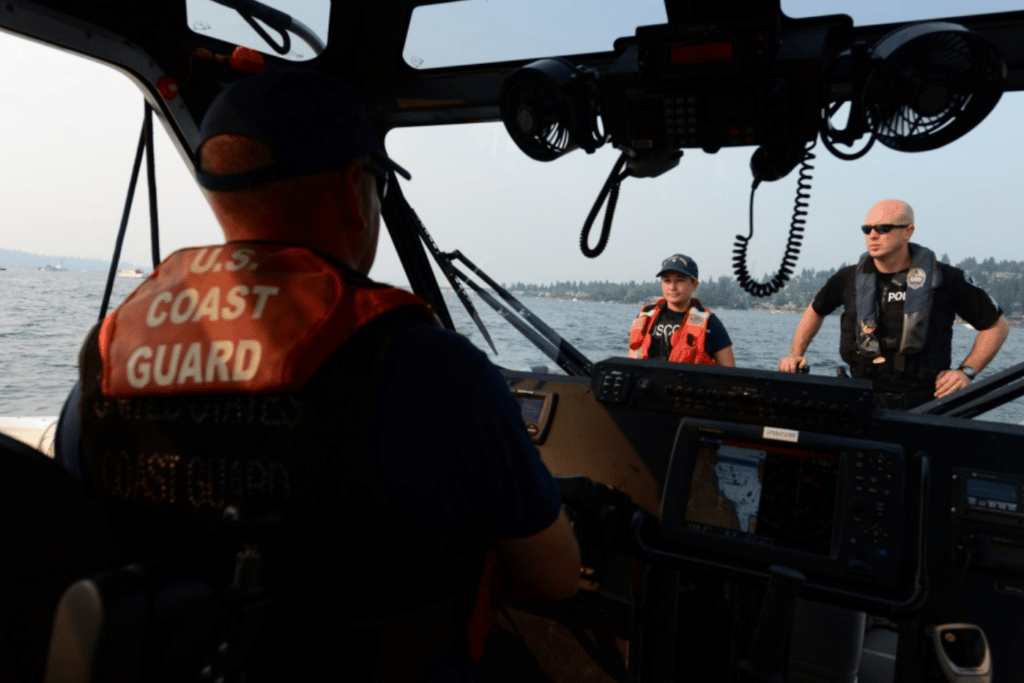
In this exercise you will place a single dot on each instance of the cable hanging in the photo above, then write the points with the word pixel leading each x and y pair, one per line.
pixel 796 229
pixel 611 191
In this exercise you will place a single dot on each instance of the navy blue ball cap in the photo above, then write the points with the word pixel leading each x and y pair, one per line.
pixel 679 264
pixel 312 122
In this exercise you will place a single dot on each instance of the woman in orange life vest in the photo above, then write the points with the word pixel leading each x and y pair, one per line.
pixel 677 327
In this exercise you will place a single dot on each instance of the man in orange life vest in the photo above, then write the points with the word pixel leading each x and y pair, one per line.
pixel 677 327
pixel 269 373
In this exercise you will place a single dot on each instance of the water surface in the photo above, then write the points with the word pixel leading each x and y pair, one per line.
pixel 45 316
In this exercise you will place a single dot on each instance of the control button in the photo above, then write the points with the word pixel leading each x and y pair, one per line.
pixel 873 480
pixel 971 500
pixel 852 540
pixel 886 492
pixel 858 489
pixel 1013 507
pixel 859 465
pixel 992 504
pixel 873 491
pixel 858 477
pixel 1002 506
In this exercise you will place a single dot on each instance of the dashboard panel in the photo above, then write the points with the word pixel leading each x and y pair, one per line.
pixel 945 544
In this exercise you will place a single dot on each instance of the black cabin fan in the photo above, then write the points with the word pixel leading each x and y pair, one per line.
pixel 930 84
pixel 549 108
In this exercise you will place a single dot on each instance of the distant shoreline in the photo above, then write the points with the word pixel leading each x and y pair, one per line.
pixel 13 258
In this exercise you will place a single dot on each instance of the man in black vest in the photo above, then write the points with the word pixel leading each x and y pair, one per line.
pixel 270 375
pixel 900 304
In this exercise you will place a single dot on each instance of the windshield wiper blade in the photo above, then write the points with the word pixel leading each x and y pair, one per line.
pixel 563 346
pixel 543 337
pixel 550 350
pixel 445 265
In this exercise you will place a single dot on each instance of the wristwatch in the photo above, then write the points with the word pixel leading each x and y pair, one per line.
pixel 968 371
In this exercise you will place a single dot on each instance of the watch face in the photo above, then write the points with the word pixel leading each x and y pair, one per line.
pixel 969 371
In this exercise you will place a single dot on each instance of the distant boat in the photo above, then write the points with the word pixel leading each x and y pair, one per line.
pixel 131 272
pixel 59 268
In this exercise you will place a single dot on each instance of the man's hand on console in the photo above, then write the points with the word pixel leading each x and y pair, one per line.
pixel 948 381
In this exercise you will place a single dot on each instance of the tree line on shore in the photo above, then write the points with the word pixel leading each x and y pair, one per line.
pixel 1004 280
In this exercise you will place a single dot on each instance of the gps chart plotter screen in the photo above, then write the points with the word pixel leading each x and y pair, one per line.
pixel 764 494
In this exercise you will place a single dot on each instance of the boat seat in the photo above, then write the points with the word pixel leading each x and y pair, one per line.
pixel 153 621
pixel 51 534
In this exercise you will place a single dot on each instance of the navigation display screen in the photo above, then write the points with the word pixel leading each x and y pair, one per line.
pixel 766 494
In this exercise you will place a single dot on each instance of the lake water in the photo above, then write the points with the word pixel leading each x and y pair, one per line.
pixel 44 316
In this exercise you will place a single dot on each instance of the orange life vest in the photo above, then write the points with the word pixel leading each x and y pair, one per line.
pixel 687 342
pixel 240 317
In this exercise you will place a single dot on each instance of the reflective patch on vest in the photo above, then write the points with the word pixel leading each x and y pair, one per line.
pixel 697 318
pixel 232 318
pixel 916 278
pixel 194 482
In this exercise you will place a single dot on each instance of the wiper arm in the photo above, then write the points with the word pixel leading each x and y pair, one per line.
pixel 282 22
pixel 445 265
pixel 980 397
pixel 541 335
pixel 561 346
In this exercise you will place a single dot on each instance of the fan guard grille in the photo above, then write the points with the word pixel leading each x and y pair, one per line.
pixel 932 87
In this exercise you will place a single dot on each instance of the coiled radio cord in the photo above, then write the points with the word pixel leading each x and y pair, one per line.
pixel 796 229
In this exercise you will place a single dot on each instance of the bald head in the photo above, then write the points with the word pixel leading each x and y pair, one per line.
pixel 892 211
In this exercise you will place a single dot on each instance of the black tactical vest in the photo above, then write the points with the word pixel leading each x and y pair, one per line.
pixel 919 369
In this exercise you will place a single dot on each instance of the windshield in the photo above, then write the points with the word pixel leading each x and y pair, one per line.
pixel 519 220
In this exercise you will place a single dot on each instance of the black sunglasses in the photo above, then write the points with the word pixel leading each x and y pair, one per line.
pixel 882 229
pixel 381 175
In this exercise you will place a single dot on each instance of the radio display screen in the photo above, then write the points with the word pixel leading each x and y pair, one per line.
pixel 766 494
pixel 992 490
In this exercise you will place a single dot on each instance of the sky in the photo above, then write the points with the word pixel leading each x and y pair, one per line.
pixel 70 127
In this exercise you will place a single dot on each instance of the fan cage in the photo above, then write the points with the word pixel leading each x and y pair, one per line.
pixel 932 89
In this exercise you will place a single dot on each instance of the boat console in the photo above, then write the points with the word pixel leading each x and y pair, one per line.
pixel 735 472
